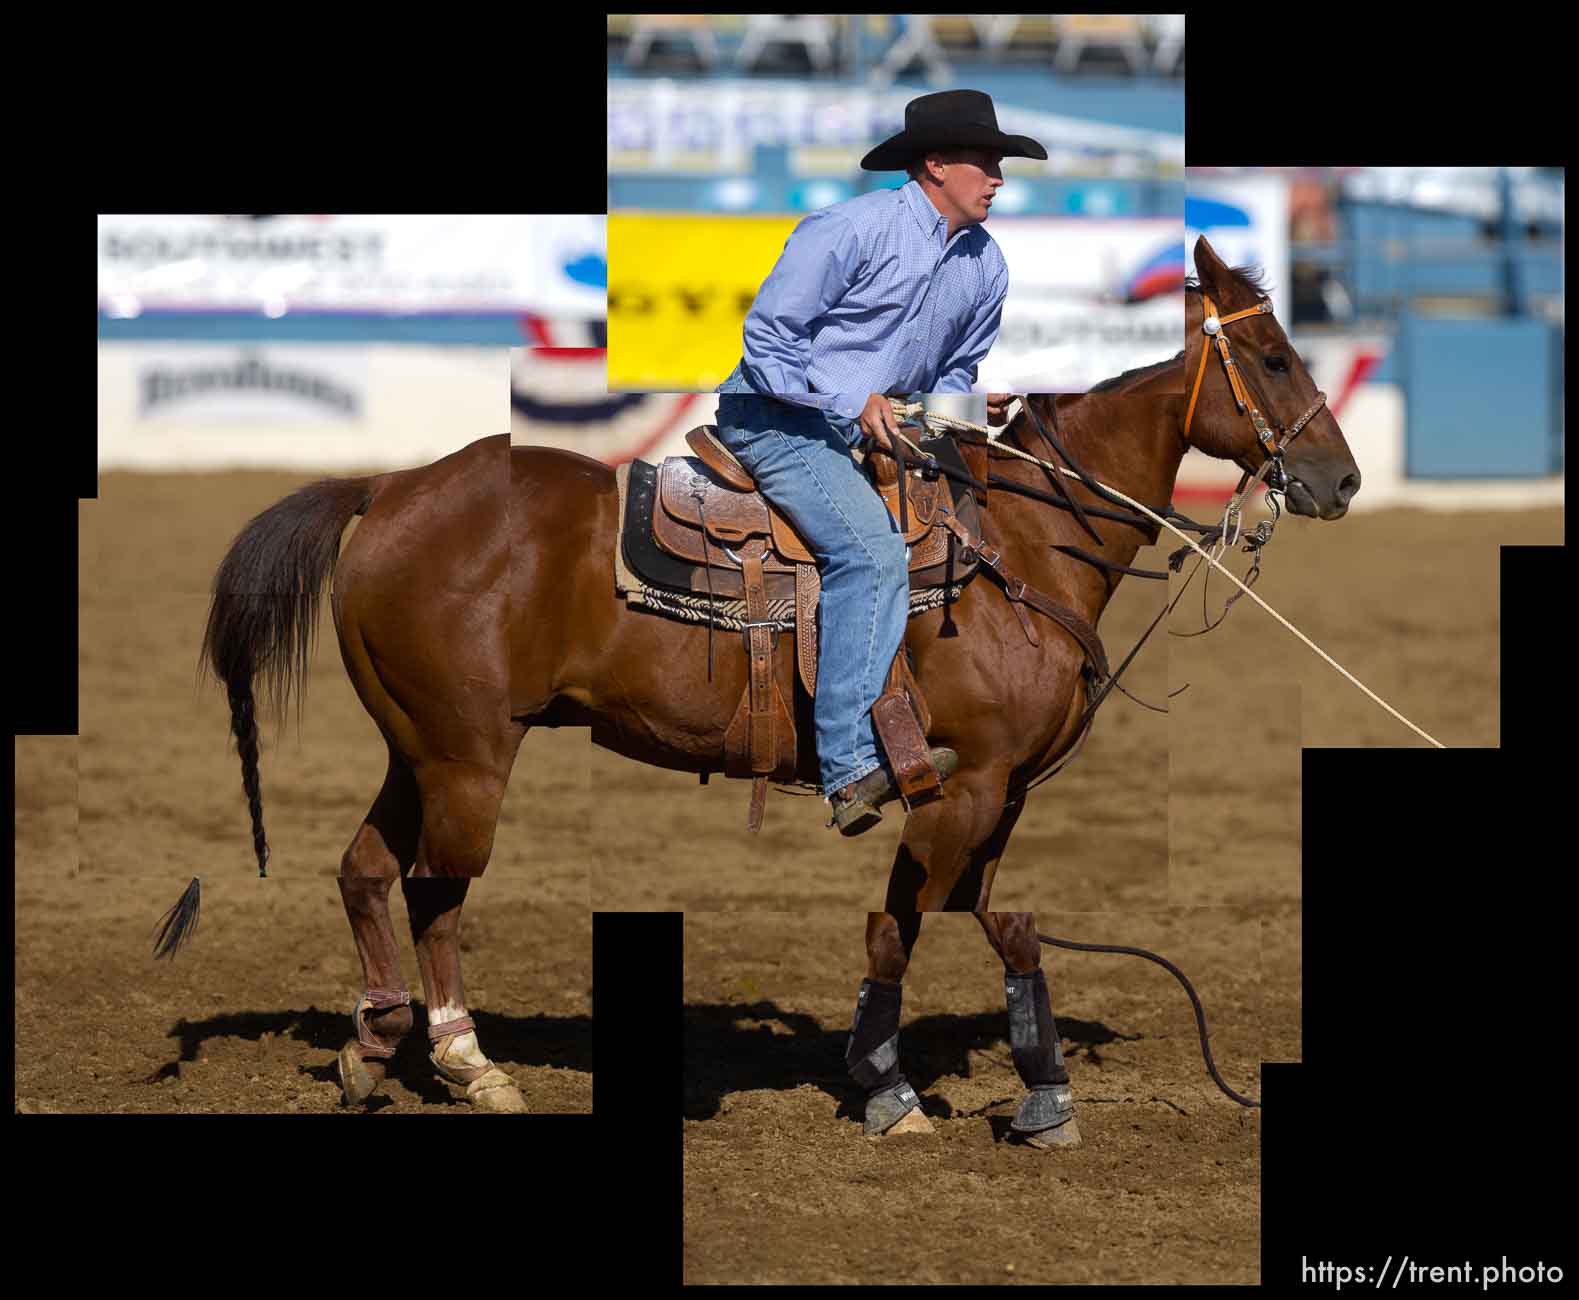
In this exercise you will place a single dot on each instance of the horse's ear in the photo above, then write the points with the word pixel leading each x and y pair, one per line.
pixel 1209 268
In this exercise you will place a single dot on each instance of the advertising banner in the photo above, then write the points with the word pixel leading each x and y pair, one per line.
pixel 1245 218
pixel 405 264
pixel 184 406
pixel 679 292
pixel 1088 299
pixel 661 124
pixel 1060 345
pixel 273 385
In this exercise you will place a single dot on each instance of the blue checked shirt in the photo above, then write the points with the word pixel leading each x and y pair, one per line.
pixel 872 296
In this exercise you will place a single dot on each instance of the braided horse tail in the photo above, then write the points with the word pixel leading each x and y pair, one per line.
pixel 263 621
pixel 263 618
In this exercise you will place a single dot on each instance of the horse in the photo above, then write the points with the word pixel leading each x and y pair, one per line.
pixel 474 601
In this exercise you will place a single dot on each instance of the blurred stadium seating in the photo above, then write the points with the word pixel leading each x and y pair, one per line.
pixel 725 129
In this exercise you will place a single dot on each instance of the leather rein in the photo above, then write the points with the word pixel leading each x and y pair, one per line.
pixel 1273 441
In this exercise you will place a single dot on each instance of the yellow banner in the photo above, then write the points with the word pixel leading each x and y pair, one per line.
pixel 679 290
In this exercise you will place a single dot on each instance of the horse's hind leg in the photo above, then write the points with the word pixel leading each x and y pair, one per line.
pixel 1046 1117
pixel 460 810
pixel 872 1055
pixel 385 845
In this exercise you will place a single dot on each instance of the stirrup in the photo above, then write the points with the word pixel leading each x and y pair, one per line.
pixel 854 815
pixel 869 793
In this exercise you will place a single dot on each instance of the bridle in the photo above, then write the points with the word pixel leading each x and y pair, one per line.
pixel 1272 444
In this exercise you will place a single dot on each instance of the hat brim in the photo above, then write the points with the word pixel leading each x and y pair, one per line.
pixel 896 153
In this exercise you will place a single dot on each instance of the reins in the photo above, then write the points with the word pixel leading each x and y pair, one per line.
pixel 1227 533
pixel 1222 535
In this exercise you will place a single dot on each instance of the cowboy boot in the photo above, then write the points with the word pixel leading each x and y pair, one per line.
pixel 855 806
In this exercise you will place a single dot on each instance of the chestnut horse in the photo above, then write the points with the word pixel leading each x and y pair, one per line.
pixel 476 600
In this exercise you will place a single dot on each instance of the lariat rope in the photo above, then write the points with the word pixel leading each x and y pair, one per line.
pixel 912 410
pixel 1195 1001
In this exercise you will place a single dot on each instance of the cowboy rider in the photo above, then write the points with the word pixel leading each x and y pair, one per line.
pixel 892 292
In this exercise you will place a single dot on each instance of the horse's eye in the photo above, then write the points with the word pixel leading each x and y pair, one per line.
pixel 1277 364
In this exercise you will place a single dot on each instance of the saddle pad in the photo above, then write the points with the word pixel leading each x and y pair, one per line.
pixel 935 564
pixel 681 572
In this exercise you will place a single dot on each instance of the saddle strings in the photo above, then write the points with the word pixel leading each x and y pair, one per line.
pixel 707 568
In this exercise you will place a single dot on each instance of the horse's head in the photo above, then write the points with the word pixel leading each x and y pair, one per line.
pixel 1274 406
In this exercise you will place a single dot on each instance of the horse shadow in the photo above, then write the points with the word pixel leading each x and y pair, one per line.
pixel 741 1047
pixel 564 1042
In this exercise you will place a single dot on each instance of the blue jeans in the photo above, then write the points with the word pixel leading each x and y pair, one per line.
pixel 805 469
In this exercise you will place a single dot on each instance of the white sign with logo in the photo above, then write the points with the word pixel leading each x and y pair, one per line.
pixel 1066 322
pixel 272 385
pixel 1245 219
pixel 551 265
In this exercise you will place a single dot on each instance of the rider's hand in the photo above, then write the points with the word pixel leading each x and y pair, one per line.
pixel 878 422
pixel 998 407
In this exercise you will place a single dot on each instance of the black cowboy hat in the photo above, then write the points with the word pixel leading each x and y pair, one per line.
pixel 950 119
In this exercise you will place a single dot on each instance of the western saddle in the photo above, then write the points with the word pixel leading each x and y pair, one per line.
pixel 696 527
pixel 707 512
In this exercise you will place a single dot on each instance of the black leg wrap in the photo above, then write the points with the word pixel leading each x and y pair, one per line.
pixel 872 1056
pixel 1044 1108
pixel 1032 1034
pixel 1038 1057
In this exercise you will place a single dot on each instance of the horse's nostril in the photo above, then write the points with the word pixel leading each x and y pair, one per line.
pixel 1347 488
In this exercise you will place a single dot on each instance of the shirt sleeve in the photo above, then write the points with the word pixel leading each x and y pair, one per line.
pixel 958 373
pixel 820 262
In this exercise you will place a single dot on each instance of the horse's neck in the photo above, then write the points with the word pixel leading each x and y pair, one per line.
pixel 1127 442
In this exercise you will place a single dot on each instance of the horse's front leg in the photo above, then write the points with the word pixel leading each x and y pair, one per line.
pixel 1046 1117
pixel 872 1054
pixel 951 846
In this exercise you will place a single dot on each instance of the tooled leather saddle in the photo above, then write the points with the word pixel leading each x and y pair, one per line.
pixel 696 529
pixel 715 535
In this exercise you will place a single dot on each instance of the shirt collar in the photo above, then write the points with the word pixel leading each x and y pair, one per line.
pixel 928 217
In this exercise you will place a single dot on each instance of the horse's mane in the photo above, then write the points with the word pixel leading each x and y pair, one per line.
pixel 1136 375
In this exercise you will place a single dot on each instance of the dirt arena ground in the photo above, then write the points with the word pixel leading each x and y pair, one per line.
pixel 1199 861
pixel 782 1187
pixel 1177 832
pixel 112 826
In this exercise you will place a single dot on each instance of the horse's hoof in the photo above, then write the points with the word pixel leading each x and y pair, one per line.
pixel 1065 1137
pixel 1046 1106
pixel 496 1091
pixel 359 1079
pixel 915 1122
pixel 886 1109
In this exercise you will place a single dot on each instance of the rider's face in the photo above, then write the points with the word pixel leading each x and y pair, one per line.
pixel 970 178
